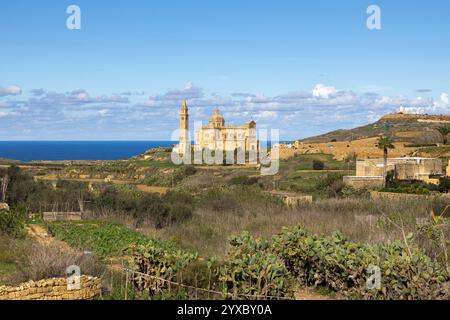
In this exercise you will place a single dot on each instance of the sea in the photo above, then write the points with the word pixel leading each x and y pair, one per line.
pixel 28 151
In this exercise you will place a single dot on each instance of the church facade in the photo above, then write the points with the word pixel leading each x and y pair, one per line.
pixel 216 135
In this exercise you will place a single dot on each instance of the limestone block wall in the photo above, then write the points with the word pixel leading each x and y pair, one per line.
pixel 62 216
pixel 374 195
pixel 364 182
pixel 52 289
pixel 406 168
pixel 297 200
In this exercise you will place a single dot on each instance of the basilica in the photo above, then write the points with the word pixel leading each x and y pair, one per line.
pixel 216 136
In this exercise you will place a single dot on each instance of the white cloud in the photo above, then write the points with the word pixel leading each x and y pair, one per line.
pixel 10 91
pixel 322 91
pixel 7 114
pixel 299 113
pixel 444 98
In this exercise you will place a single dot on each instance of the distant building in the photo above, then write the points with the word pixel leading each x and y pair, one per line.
pixel 217 136
pixel 369 172
pixel 184 146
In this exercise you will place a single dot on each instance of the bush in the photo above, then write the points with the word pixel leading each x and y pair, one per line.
pixel 340 265
pixel 220 200
pixel 151 209
pixel 44 261
pixel 350 192
pixel 160 260
pixel 145 208
pixel 181 206
pixel 252 271
pixel 244 180
pixel 331 184
pixel 12 223
pixel 20 185
pixel 411 190
pixel 444 185
pixel 318 165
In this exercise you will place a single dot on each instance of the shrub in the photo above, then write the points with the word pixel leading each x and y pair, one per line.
pixel 410 190
pixel 188 171
pixel 105 239
pixel 160 260
pixel 150 208
pixel 20 185
pixel 444 185
pixel 145 208
pixel 244 180
pixel 252 271
pixel 44 261
pixel 335 263
pixel 220 200
pixel 318 165
pixel 331 184
pixel 12 223
pixel 349 192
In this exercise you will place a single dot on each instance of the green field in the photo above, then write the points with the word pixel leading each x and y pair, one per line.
pixel 105 239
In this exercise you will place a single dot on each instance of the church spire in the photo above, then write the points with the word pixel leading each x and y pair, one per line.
pixel 184 128
pixel 184 108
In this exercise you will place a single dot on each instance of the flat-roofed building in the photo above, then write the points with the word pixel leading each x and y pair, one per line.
pixel 369 172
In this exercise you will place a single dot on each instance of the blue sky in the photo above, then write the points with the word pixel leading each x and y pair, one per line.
pixel 287 64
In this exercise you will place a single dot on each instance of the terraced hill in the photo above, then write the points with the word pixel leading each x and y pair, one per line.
pixel 417 129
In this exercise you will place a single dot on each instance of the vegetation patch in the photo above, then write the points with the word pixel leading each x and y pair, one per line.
pixel 105 239
pixel 336 263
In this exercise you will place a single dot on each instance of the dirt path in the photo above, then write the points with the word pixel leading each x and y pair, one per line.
pixel 42 236
pixel 152 189
pixel 310 295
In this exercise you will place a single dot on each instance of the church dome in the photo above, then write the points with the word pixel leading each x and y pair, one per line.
pixel 217 120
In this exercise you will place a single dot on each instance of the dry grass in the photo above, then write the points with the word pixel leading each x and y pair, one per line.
pixel 360 219
pixel 42 261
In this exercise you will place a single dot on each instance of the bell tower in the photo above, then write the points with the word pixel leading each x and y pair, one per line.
pixel 184 129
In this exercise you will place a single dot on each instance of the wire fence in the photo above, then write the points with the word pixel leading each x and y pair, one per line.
pixel 194 292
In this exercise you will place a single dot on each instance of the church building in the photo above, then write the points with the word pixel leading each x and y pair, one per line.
pixel 216 136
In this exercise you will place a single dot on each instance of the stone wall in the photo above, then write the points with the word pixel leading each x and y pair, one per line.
pixel 292 199
pixel 404 196
pixel 364 182
pixel 52 289
pixel 297 200
pixel 406 168
pixel 62 216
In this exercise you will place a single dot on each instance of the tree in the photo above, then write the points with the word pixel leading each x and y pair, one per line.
pixel 318 165
pixel 3 187
pixel 444 131
pixel 385 143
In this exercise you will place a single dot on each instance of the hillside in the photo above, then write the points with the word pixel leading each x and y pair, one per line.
pixel 418 129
